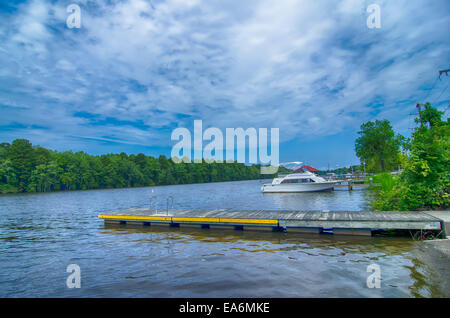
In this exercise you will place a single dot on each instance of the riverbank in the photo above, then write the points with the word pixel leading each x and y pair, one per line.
pixel 435 254
pixel 13 190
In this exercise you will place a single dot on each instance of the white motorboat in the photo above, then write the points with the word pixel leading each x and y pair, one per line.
pixel 301 180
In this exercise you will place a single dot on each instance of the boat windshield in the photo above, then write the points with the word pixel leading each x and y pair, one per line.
pixel 304 180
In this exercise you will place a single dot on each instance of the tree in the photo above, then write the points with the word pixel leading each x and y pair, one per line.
pixel 4 150
pixel 430 116
pixel 24 168
pixel 23 160
pixel 7 172
pixel 425 179
pixel 377 146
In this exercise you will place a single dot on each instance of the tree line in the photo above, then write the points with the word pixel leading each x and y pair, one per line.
pixel 28 168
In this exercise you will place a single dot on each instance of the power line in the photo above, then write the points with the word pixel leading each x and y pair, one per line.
pixel 429 92
pixel 445 113
pixel 418 105
pixel 442 93
pixel 434 85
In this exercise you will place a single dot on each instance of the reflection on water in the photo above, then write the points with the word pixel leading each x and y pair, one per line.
pixel 41 234
pixel 422 287
pixel 284 265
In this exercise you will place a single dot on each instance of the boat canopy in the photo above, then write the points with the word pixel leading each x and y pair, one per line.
pixel 308 168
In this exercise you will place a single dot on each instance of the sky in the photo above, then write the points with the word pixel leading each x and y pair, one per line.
pixel 136 70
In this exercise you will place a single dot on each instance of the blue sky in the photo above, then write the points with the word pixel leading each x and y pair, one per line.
pixel 137 69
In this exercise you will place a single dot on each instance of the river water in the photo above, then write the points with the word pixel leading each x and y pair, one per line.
pixel 41 234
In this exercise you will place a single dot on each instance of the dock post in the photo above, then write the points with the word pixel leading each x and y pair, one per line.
pixel 350 187
pixel 153 197
pixel 167 204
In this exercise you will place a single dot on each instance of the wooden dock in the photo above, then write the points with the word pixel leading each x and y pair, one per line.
pixel 348 223
pixel 351 184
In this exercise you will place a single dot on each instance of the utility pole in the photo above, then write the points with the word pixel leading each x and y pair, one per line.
pixel 420 114
pixel 443 71
pixel 418 105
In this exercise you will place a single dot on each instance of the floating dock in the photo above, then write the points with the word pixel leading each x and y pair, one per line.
pixel 337 222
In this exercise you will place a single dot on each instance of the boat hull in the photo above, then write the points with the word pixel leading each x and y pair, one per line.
pixel 297 187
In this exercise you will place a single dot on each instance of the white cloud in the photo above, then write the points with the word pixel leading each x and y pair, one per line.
pixel 311 68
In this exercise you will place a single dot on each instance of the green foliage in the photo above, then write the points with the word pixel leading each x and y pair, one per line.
pixel 7 188
pixel 425 180
pixel 385 181
pixel 24 168
pixel 23 160
pixel 378 147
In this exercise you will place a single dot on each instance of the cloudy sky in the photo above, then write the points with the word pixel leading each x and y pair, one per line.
pixel 135 70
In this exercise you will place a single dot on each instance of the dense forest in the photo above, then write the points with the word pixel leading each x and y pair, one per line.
pixel 28 168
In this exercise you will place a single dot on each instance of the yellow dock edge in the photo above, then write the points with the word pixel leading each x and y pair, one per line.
pixel 187 219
